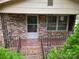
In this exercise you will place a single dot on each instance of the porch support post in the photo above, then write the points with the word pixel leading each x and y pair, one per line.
pixel 4 29
pixel 77 19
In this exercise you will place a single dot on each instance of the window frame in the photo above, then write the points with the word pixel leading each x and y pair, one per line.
pixel 57 23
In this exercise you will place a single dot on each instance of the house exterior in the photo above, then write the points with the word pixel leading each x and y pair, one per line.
pixel 40 24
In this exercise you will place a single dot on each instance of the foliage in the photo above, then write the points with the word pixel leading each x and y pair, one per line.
pixel 70 49
pixel 7 54
pixel 54 54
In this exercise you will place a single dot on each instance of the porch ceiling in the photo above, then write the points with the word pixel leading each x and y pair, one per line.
pixel 3 1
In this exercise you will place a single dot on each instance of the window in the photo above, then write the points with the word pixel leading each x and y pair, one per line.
pixel 57 23
pixel 50 2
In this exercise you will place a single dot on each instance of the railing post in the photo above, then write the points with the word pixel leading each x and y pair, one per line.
pixel 42 47
pixel 19 45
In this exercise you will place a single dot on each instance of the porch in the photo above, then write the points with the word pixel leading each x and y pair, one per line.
pixel 43 39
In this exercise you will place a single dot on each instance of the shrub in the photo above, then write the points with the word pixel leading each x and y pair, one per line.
pixel 70 49
pixel 7 54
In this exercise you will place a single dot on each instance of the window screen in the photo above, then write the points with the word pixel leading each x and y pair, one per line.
pixel 51 25
pixel 62 23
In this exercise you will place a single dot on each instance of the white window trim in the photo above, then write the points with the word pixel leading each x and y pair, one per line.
pixel 31 33
pixel 57 24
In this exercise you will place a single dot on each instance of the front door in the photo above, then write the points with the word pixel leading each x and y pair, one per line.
pixel 32 27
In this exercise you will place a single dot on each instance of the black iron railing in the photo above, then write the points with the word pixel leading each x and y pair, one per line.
pixel 49 41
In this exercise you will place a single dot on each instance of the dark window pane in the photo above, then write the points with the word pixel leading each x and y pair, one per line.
pixel 62 23
pixel 32 20
pixel 51 25
pixel 62 27
pixel 63 19
pixel 52 19
pixel 32 28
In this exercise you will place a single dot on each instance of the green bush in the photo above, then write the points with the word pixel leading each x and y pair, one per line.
pixel 7 54
pixel 54 54
pixel 70 49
